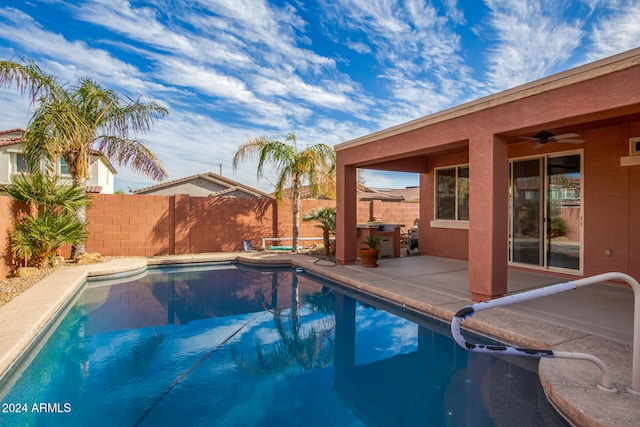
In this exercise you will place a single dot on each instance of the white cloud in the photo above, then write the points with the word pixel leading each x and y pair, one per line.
pixel 206 80
pixel 617 32
pixel 139 24
pixel 65 59
pixel 532 40
pixel 418 53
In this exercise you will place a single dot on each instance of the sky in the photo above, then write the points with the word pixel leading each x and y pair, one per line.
pixel 328 70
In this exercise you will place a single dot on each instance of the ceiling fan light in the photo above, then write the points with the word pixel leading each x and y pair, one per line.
pixel 543 136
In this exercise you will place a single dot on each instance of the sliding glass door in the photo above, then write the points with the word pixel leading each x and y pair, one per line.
pixel 545 221
pixel 564 217
pixel 527 184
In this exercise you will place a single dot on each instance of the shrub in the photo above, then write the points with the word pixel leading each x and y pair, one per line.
pixel 44 217
pixel 558 227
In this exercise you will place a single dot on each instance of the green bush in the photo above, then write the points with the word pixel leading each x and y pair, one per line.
pixel 47 220
pixel 558 227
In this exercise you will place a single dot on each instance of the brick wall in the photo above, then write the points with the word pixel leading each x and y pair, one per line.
pixel 389 212
pixel 145 225
pixel 130 225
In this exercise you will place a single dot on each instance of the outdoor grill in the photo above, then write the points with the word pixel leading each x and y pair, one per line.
pixel 412 239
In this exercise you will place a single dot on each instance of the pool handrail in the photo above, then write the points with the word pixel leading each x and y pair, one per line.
pixel 605 384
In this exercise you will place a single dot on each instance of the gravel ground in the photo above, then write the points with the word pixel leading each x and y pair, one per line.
pixel 11 287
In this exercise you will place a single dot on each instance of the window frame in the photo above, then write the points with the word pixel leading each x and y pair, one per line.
pixel 455 222
pixel 14 159
pixel 62 163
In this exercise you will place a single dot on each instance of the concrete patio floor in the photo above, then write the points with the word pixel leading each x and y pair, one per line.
pixel 597 319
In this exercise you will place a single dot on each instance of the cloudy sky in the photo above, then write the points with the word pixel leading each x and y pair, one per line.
pixel 328 70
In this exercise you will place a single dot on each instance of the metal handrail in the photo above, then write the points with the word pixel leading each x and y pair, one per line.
pixel 529 352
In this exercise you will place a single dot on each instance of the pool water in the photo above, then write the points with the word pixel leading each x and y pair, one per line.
pixel 237 346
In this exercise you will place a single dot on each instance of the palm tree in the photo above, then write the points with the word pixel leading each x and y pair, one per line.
pixel 293 167
pixel 327 219
pixel 74 121
pixel 46 219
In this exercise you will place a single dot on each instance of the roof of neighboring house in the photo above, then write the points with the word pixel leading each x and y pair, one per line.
pixel 408 194
pixel 94 189
pixel 18 131
pixel 366 196
pixel 11 136
pixel 230 185
pixel 14 136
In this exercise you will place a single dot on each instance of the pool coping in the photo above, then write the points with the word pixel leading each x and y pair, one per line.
pixel 569 384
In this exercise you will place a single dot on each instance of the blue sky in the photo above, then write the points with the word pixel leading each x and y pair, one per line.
pixel 328 70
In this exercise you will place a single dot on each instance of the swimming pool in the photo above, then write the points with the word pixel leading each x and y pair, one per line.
pixel 230 345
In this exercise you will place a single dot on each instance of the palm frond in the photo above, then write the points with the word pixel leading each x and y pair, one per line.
pixel 28 78
pixel 45 192
pixel 132 153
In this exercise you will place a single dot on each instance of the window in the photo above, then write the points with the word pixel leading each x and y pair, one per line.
pixel 18 162
pixel 21 164
pixel 452 193
pixel 64 168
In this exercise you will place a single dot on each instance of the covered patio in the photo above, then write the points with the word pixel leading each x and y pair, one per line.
pixel 493 191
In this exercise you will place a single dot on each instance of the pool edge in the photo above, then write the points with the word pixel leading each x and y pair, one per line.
pixel 24 318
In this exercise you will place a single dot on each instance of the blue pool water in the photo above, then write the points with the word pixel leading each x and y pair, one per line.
pixel 236 346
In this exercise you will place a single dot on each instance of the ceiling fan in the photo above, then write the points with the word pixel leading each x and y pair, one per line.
pixel 544 136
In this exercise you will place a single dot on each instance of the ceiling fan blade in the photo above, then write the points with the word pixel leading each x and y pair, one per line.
pixel 564 136
pixel 570 141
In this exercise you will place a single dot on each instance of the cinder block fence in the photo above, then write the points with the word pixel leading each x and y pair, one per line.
pixel 144 225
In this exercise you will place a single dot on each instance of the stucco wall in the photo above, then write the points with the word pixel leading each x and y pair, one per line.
pixel 611 193
pixel 197 187
pixel 5 163
pixel 611 202
pixel 443 242
pixel 634 219
pixel 101 175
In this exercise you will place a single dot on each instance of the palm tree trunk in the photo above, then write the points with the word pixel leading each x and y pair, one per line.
pixel 81 214
pixel 296 215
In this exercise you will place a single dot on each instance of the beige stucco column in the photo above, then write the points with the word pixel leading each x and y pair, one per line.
pixel 346 214
pixel 488 210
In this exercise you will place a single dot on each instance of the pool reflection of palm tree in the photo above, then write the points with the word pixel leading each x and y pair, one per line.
pixel 308 347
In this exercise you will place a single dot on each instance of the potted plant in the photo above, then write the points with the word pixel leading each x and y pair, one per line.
pixel 369 255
